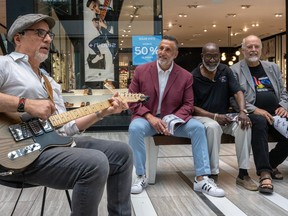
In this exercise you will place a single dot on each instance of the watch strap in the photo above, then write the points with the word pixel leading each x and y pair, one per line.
pixel 21 104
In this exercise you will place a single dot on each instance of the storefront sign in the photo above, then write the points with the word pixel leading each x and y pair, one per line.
pixel 145 48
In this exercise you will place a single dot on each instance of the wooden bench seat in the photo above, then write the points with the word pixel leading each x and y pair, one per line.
pixel 152 149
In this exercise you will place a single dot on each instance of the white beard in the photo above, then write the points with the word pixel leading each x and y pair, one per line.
pixel 210 68
pixel 41 57
pixel 253 59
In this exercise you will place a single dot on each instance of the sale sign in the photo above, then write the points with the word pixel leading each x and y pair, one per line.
pixel 144 48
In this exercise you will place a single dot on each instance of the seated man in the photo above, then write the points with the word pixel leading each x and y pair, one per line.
pixel 214 83
pixel 265 97
pixel 89 166
pixel 170 90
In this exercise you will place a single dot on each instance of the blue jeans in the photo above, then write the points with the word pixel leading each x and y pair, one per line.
pixel 140 128
pixel 86 169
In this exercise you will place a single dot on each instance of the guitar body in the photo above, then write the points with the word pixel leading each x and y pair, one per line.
pixel 23 138
pixel 17 155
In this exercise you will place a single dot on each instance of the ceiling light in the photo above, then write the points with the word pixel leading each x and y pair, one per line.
pixel 205 30
pixel 231 15
pixel 245 6
pixel 193 6
pixel 278 14
pixel 182 15
pixel 214 25
pixel 137 6
pixel 255 25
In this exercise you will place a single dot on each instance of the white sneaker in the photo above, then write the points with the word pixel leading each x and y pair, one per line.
pixel 140 183
pixel 209 187
pixel 97 58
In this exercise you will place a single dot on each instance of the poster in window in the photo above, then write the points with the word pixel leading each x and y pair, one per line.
pixel 268 49
pixel 100 40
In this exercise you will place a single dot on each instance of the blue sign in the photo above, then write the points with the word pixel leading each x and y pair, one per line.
pixel 144 48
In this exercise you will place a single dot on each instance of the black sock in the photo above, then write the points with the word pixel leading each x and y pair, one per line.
pixel 242 173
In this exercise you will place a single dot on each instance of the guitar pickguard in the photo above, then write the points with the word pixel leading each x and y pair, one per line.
pixel 21 142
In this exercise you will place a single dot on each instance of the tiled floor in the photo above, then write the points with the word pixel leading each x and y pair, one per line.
pixel 172 194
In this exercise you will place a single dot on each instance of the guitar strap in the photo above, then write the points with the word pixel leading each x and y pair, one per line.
pixel 48 88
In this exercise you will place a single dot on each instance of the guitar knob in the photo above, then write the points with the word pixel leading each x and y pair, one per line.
pixel 12 155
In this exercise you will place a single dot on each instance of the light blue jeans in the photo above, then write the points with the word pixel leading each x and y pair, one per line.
pixel 140 128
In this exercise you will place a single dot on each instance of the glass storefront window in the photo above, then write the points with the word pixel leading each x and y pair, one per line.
pixel 93 40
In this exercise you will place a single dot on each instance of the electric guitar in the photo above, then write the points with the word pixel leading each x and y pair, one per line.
pixel 24 138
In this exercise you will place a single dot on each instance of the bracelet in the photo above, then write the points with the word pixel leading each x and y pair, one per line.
pixel 99 116
pixel 215 116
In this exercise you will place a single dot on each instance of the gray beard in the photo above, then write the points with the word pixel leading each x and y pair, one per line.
pixel 41 57
pixel 253 59
pixel 210 69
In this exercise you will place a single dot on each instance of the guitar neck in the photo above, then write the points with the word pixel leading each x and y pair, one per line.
pixel 63 118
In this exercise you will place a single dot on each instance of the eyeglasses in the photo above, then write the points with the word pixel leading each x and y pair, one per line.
pixel 41 33
pixel 210 56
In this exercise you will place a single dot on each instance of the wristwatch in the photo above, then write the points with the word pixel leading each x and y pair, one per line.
pixel 21 104
pixel 244 110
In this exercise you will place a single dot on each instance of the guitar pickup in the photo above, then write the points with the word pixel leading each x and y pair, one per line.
pixel 36 127
pixel 20 131
pixel 24 151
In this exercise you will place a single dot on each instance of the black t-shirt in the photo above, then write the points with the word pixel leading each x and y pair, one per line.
pixel 213 95
pixel 265 94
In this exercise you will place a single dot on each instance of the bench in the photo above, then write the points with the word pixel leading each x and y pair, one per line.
pixel 152 149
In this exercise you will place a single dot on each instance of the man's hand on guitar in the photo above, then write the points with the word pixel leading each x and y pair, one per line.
pixel 117 104
pixel 42 109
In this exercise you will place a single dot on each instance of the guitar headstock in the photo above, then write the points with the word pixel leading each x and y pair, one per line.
pixel 125 96
pixel 133 97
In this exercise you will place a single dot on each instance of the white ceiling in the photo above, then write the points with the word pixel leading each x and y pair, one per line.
pixel 189 31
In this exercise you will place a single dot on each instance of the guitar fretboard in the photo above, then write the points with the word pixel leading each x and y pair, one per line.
pixel 63 118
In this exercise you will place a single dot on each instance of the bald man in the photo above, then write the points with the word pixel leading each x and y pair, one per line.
pixel 213 85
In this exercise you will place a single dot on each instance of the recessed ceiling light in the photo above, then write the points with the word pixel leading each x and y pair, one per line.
pixel 278 14
pixel 245 6
pixel 214 25
pixel 231 15
pixel 182 15
pixel 193 6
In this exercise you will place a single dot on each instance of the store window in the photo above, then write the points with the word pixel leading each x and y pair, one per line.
pixel 93 40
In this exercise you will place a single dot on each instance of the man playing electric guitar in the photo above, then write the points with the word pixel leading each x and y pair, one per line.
pixel 91 163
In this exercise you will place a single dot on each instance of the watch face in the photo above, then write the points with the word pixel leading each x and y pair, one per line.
pixel 21 108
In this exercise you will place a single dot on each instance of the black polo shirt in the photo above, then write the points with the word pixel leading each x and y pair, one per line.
pixel 213 95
